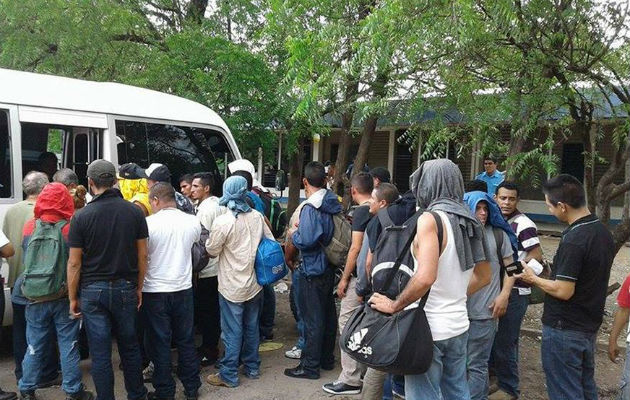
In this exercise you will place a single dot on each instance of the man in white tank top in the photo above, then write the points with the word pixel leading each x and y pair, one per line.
pixel 459 268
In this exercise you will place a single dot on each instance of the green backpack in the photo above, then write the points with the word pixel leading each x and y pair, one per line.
pixel 45 263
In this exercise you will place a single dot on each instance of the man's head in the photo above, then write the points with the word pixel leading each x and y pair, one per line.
pixel 66 176
pixel 156 173
pixel 490 164
pixel 481 212
pixel 476 185
pixel 382 196
pixel 247 176
pixel 185 185
pixel 314 177
pixel 101 175
pixel 564 194
pixel 47 162
pixel 507 197
pixel 33 183
pixel 380 175
pixel 361 187
pixel 162 195
pixel 201 187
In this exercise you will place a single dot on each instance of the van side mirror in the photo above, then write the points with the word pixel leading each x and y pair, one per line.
pixel 281 180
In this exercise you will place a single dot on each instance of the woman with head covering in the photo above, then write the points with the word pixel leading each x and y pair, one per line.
pixel 447 274
pixel 234 239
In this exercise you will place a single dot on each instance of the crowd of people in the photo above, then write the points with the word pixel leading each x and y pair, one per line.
pixel 124 251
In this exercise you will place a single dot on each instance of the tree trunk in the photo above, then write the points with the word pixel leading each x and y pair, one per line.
pixel 517 142
pixel 364 146
pixel 621 232
pixel 295 176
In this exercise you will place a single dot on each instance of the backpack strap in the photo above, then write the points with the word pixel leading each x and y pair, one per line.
pixel 498 240
pixel 396 267
pixel 384 218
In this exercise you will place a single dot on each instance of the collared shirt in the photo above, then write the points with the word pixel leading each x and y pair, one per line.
pixel 234 241
pixel 491 180
pixel 527 234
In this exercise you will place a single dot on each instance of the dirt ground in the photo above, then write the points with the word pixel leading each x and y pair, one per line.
pixel 273 385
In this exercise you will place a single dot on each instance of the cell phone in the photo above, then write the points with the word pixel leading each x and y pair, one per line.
pixel 514 268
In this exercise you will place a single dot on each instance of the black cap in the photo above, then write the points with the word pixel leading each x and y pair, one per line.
pixel 130 171
pixel 157 172
pixel 382 174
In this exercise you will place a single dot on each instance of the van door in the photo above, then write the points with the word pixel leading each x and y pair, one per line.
pixel 81 147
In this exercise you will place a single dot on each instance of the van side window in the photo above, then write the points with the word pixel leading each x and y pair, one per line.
pixel 183 149
pixel 6 168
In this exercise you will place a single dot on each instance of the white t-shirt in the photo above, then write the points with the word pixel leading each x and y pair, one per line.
pixel 171 236
pixel 446 306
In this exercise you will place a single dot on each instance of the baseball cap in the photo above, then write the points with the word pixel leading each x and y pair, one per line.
pixel 101 169
pixel 130 171
pixel 156 172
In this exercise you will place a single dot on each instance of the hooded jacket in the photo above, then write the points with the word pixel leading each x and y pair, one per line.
pixel 315 231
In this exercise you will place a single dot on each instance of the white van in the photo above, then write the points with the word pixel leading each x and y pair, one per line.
pixel 82 121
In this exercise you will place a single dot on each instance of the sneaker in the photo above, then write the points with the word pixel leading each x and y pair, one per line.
pixel 27 396
pixel 398 395
pixel 147 373
pixel 295 353
pixel 299 372
pixel 7 395
pixel 339 387
pixel 81 395
pixel 53 382
pixel 216 380
pixel 153 396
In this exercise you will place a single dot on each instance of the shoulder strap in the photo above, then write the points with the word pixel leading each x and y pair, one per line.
pixel 384 218
pixel 498 240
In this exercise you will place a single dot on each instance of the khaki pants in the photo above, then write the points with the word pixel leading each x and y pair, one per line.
pixel 351 370
pixel 373 382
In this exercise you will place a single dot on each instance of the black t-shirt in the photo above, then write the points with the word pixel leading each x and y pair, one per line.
pixel 360 218
pixel 107 229
pixel 584 256
pixel 399 211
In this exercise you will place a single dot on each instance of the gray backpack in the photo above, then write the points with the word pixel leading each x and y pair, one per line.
pixel 337 250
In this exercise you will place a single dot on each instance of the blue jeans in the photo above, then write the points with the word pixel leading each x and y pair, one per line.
pixel 446 378
pixel 480 339
pixel 50 367
pixel 43 320
pixel 107 306
pixel 268 311
pixel 295 288
pixel 393 383
pixel 316 303
pixel 240 336
pixel 624 386
pixel 169 318
pixel 568 359
pixel 505 350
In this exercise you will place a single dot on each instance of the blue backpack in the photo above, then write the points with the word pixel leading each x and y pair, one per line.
pixel 269 264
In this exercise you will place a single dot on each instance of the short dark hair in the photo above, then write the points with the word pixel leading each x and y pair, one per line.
pixel 104 182
pixel 566 189
pixel 188 178
pixel 247 176
pixel 476 185
pixel 163 191
pixel 315 174
pixel 509 185
pixel 382 174
pixel 386 191
pixel 491 157
pixel 206 179
pixel 363 183
pixel 47 155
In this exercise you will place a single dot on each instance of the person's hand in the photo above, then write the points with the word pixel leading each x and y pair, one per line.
pixel 613 351
pixel 342 287
pixel 290 264
pixel 528 275
pixel 139 294
pixel 75 309
pixel 499 306
pixel 382 303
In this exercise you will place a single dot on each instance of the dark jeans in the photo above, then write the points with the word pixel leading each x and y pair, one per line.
pixel 568 359
pixel 268 312
pixel 50 369
pixel 169 316
pixel 208 314
pixel 107 306
pixel 505 350
pixel 317 308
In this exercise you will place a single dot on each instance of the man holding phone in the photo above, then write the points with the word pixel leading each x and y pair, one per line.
pixel 576 292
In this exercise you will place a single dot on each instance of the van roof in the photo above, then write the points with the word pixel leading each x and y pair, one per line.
pixel 27 88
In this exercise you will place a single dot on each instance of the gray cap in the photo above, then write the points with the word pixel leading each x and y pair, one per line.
pixel 101 169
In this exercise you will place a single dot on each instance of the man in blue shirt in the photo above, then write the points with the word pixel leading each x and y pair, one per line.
pixel 491 175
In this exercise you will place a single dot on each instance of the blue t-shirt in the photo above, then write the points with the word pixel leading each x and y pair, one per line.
pixel 492 181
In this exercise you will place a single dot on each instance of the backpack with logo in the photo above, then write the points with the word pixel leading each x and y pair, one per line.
pixel 274 211
pixel 400 343
pixel 337 250
pixel 45 261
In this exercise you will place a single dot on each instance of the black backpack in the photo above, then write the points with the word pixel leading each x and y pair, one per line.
pixel 274 212
pixel 401 343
